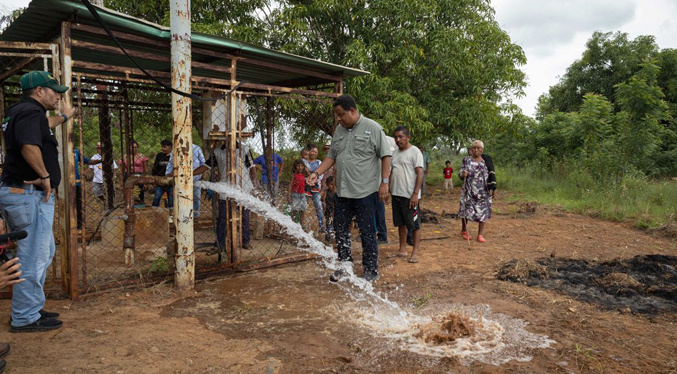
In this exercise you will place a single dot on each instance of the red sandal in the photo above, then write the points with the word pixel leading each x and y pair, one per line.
pixel 465 235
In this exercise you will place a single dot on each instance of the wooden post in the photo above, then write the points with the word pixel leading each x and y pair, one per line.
pixel 233 210
pixel 70 245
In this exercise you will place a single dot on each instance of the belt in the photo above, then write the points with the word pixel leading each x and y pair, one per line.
pixel 25 186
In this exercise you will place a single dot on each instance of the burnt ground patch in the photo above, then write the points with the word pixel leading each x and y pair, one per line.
pixel 642 284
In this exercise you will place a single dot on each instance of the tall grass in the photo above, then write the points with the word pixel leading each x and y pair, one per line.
pixel 648 203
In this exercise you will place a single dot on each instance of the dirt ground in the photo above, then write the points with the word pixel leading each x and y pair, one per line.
pixel 291 319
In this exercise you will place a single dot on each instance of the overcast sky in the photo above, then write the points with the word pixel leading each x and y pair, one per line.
pixel 553 32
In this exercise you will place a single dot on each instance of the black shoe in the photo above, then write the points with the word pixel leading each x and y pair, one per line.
pixel 337 275
pixel 371 277
pixel 43 324
pixel 382 241
pixel 410 242
pixel 4 349
pixel 2 366
pixel 246 246
pixel 46 314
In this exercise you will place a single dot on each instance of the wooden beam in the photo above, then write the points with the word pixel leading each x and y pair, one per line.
pixel 16 68
pixel 211 53
pixel 47 47
pixel 145 55
pixel 266 87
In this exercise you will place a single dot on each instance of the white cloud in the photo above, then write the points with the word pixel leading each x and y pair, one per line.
pixel 553 33
pixel 542 25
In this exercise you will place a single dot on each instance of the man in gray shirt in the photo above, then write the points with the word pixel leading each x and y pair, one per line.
pixel 361 152
pixel 405 186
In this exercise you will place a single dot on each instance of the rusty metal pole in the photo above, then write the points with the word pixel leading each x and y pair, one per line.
pixel 182 124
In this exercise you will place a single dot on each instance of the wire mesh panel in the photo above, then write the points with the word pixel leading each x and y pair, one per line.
pixel 125 220
pixel 122 132
pixel 264 153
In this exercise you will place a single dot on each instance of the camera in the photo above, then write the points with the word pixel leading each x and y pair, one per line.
pixel 6 244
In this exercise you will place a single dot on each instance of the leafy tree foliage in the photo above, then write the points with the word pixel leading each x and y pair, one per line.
pixel 609 59
pixel 602 141
pixel 442 67
pixel 438 66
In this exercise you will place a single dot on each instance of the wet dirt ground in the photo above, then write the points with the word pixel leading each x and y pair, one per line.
pixel 291 319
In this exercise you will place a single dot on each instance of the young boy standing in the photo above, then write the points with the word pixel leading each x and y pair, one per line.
pixel 448 172
pixel 406 180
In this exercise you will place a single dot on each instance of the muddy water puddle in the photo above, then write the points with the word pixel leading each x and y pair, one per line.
pixel 312 323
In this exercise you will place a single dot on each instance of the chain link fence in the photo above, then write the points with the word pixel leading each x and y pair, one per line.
pixel 122 135
pixel 121 121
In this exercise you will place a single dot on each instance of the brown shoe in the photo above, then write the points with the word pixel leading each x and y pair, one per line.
pixel 4 349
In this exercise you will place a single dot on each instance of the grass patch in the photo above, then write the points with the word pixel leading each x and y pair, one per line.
pixel 647 203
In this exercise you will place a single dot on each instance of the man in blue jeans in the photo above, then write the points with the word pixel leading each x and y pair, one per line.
pixel 31 172
pixel 361 152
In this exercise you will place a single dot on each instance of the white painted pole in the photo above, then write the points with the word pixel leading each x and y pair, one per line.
pixel 182 124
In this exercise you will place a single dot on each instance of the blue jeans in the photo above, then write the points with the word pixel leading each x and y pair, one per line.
pixel 317 201
pixel 197 197
pixel 27 210
pixel 363 209
pixel 381 230
pixel 159 191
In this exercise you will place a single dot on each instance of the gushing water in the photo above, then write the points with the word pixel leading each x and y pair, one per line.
pixel 394 315
pixel 497 339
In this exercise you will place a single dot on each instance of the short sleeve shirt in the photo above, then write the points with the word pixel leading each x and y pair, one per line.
pixel 357 153
pixel 26 124
pixel 243 162
pixel 198 160
pixel 426 160
pixel 98 169
pixel 261 160
pixel 403 176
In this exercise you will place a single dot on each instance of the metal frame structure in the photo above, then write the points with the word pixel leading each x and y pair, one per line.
pixel 79 49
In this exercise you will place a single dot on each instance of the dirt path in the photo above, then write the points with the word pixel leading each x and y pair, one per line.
pixel 292 320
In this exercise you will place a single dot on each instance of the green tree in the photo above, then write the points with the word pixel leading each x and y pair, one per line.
pixel 241 20
pixel 609 59
pixel 642 116
pixel 440 67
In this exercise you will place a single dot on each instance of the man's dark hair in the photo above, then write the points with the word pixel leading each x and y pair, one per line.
pixel 28 92
pixel 166 142
pixel 346 102
pixel 448 162
pixel 310 146
pixel 404 129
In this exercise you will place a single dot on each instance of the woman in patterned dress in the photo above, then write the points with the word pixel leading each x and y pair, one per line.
pixel 476 196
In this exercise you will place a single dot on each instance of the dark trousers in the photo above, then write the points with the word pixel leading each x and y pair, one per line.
pixel 222 223
pixel 381 230
pixel 364 211
pixel 78 204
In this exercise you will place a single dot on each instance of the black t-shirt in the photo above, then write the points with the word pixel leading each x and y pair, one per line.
pixel 27 124
pixel 160 165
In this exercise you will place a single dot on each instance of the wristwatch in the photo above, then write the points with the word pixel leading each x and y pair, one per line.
pixel 385 180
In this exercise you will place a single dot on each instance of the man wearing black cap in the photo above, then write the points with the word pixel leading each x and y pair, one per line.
pixel 31 172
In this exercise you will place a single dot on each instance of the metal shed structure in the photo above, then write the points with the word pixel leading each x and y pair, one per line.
pixel 118 103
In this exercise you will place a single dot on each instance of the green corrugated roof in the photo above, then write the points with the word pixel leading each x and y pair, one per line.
pixel 41 21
